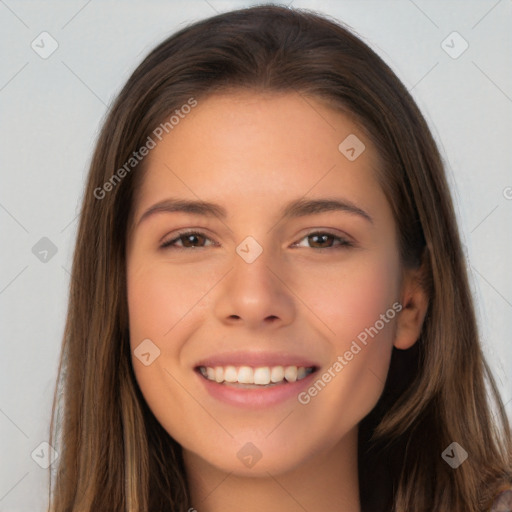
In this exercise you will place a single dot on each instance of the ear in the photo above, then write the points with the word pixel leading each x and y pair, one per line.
pixel 414 300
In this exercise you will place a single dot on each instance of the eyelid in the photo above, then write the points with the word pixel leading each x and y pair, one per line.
pixel 178 234
pixel 336 233
pixel 343 239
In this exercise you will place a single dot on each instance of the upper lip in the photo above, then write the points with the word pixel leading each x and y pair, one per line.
pixel 256 359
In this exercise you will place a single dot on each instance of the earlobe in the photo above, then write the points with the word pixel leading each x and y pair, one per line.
pixel 414 309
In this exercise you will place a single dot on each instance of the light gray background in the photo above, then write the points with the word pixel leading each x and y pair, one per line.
pixel 51 112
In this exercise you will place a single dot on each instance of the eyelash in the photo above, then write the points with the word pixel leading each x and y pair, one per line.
pixel 343 242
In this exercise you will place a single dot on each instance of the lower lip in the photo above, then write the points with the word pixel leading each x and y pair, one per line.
pixel 256 398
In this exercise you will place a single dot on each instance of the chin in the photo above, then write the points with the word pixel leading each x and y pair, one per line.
pixel 258 455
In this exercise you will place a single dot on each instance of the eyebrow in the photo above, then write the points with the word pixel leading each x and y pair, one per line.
pixel 294 209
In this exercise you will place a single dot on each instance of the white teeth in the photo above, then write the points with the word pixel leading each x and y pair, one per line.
pixel 277 374
pixel 246 375
pixel 290 373
pixel 230 374
pixel 262 375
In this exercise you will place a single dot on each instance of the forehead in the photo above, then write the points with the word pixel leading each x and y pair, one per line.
pixel 262 148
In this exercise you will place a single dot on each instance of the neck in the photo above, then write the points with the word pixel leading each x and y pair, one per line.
pixel 326 481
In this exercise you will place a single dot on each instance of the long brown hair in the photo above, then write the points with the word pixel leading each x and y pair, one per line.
pixel 114 455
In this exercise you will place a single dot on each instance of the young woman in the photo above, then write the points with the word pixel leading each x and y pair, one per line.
pixel 269 307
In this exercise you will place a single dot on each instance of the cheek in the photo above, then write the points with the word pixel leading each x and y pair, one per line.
pixel 159 305
pixel 352 297
pixel 368 319
pixel 356 304
pixel 164 306
pixel 160 298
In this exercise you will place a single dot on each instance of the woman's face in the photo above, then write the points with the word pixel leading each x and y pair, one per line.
pixel 292 268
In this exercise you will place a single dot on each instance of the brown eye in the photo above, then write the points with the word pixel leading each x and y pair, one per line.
pixel 191 240
pixel 321 240
pixel 188 239
pixel 325 240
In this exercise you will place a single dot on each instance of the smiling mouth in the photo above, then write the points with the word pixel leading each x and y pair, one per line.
pixel 249 377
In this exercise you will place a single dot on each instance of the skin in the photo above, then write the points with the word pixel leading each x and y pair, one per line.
pixel 252 153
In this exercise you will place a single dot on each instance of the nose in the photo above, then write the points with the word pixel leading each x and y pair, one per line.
pixel 256 294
